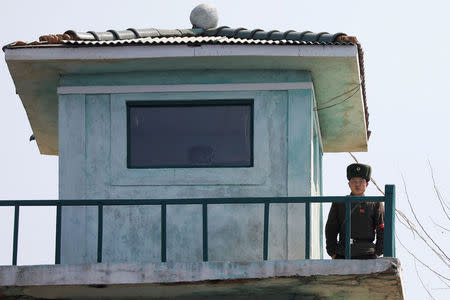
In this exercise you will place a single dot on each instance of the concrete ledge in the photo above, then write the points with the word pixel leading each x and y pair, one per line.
pixel 210 279
pixel 183 272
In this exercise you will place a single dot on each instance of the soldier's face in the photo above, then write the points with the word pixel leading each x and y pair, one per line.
pixel 358 186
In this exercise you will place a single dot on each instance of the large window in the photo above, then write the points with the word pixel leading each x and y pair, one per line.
pixel 183 134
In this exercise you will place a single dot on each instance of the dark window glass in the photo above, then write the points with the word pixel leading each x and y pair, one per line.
pixel 190 135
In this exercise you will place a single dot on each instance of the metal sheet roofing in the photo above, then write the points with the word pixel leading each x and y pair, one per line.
pixel 224 32
pixel 220 35
pixel 193 40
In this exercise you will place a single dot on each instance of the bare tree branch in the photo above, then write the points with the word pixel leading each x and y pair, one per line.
pixel 371 178
pixel 420 279
pixel 420 224
pixel 442 227
pixel 437 191
pixel 424 264
pixel 441 280
pixel 354 157
pixel 405 222
pixel 413 229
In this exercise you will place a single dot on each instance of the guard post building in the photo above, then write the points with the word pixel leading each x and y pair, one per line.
pixel 227 115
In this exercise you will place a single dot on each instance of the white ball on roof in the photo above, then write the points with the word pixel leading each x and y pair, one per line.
pixel 204 16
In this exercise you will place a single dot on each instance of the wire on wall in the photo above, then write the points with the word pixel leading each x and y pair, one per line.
pixel 352 92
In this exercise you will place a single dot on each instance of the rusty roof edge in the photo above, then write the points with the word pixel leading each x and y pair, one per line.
pixel 36 44
pixel 363 86
pixel 8 46
pixel 354 40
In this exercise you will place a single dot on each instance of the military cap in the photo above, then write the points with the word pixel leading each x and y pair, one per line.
pixel 359 170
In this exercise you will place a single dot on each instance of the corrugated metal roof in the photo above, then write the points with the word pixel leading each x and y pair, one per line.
pixel 220 35
pixel 223 31
pixel 194 40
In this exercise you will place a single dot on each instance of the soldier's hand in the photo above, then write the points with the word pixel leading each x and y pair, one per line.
pixel 333 256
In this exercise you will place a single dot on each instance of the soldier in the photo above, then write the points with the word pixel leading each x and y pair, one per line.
pixel 367 220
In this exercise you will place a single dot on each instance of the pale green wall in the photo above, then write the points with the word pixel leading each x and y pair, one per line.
pixel 92 154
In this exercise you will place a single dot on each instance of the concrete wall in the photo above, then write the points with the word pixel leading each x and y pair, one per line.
pixel 92 154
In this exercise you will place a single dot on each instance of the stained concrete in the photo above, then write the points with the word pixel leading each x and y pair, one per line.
pixel 96 168
pixel 300 279
pixel 343 127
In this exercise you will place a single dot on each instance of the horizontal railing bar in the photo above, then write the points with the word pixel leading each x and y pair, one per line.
pixel 259 200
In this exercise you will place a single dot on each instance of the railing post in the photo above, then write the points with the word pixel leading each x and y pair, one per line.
pixel 348 228
pixel 389 221
pixel 163 232
pixel 307 230
pixel 205 231
pixel 266 231
pixel 100 234
pixel 16 234
pixel 58 236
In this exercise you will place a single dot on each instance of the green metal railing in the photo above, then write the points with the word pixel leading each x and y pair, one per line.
pixel 388 199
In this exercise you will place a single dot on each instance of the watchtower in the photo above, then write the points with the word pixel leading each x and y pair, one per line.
pixel 192 113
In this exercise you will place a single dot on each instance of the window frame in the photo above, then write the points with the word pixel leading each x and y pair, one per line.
pixel 257 175
pixel 191 103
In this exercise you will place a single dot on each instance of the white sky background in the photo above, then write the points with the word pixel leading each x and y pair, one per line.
pixel 406 45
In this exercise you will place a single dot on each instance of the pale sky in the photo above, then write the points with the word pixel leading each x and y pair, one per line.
pixel 406 45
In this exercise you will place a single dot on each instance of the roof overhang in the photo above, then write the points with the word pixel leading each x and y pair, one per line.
pixel 335 71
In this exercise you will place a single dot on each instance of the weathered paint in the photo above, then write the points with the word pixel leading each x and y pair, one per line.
pixel 138 52
pixel 343 126
pixel 180 88
pixel 78 223
pixel 299 120
pixel 316 208
pixel 301 279
pixel 122 176
pixel 95 168
pixel 181 77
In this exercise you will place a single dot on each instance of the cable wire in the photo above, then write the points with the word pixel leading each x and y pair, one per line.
pixel 336 97
pixel 332 105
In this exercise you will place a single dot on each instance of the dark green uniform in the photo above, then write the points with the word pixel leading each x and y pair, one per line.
pixel 367 223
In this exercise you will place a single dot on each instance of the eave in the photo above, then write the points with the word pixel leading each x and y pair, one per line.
pixel 335 69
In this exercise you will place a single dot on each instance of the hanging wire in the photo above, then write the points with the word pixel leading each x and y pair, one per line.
pixel 353 91
pixel 340 95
